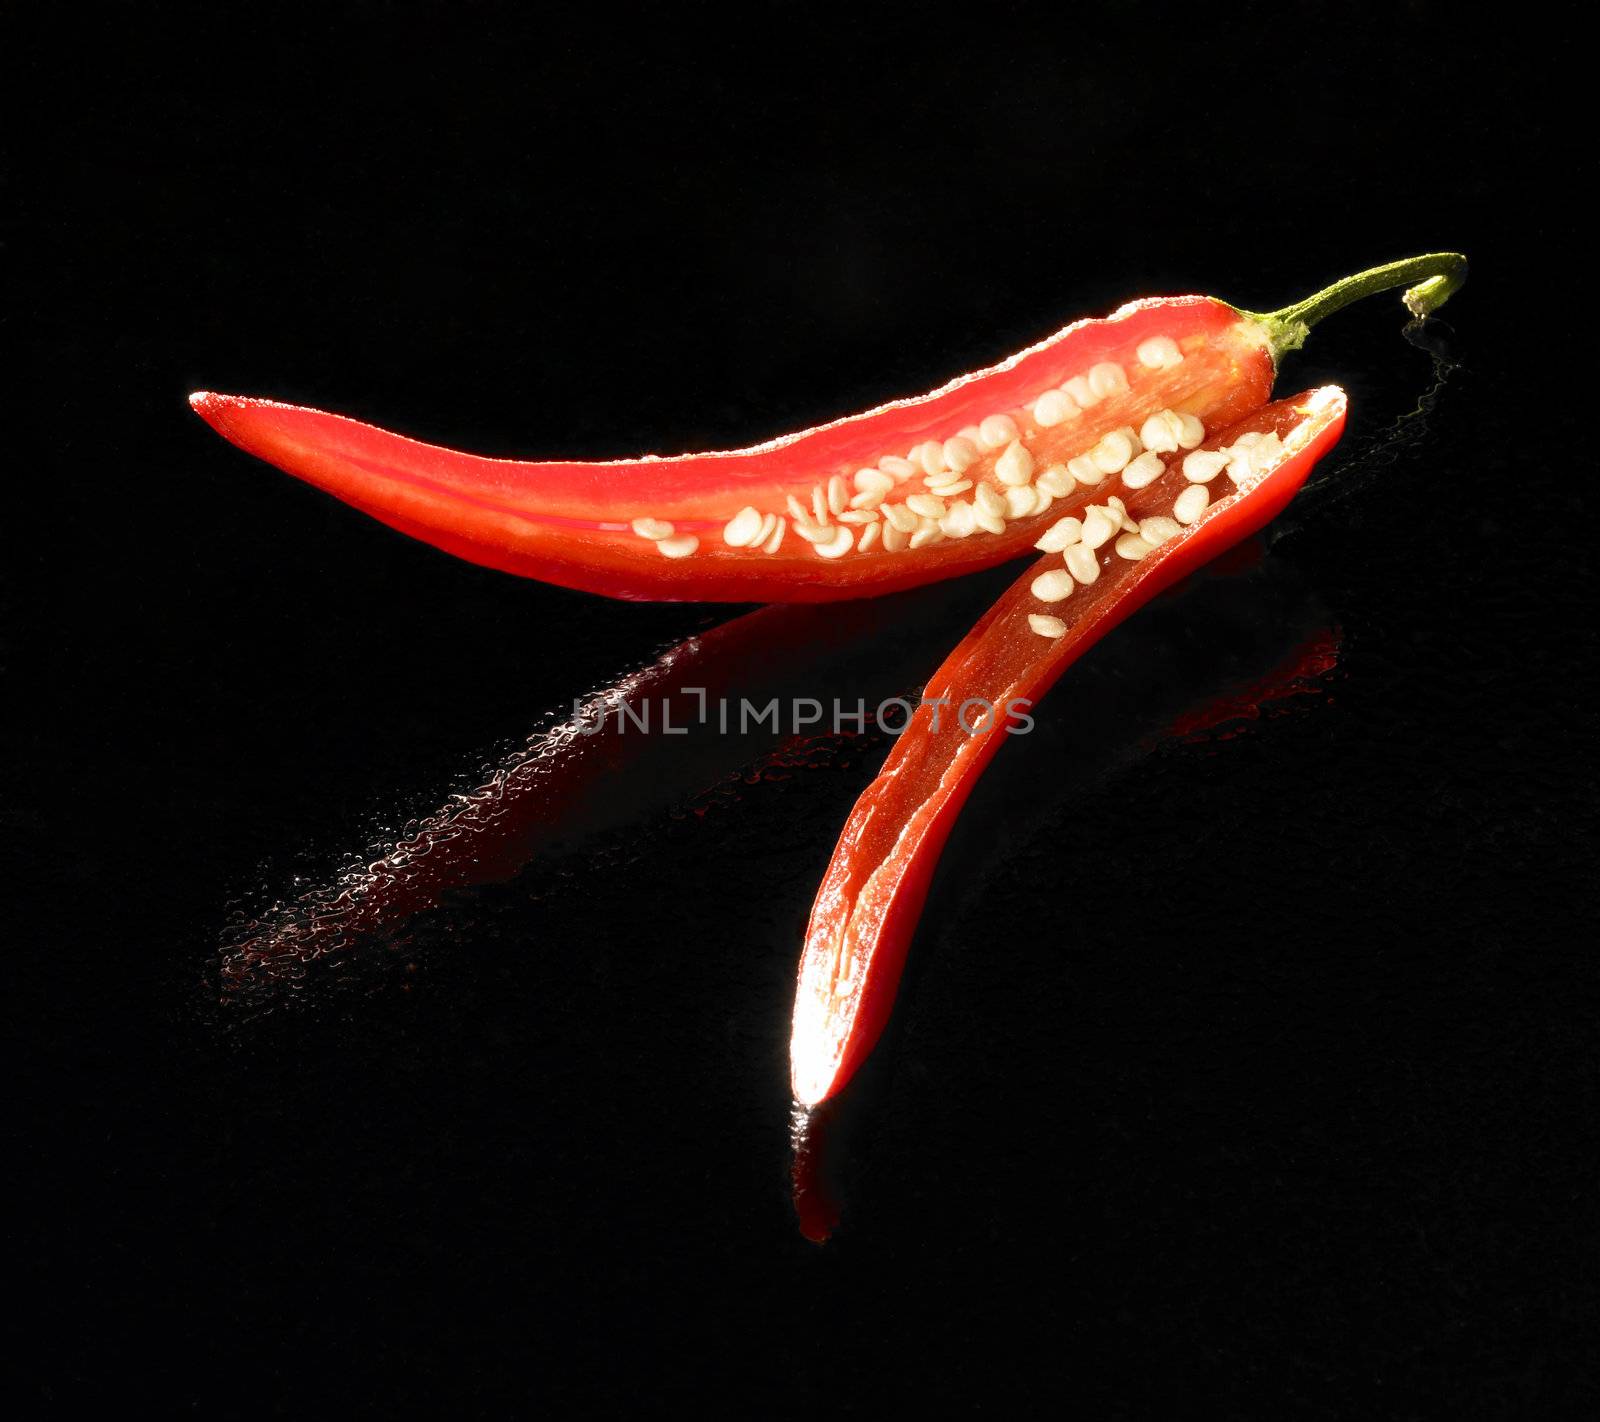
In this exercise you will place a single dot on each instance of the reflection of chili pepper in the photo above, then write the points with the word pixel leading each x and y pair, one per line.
pixel 1298 674
pixel 553 791
pixel 917 490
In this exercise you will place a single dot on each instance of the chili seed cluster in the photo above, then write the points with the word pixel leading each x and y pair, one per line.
pixel 1080 541
pixel 976 482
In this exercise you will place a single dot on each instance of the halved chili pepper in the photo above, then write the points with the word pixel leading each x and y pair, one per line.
pixel 913 491
pixel 1096 571
pixel 1100 570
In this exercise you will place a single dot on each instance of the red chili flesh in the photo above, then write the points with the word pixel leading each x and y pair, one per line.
pixel 572 523
pixel 873 892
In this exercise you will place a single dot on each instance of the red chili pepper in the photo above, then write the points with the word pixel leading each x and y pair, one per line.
pixel 873 891
pixel 920 489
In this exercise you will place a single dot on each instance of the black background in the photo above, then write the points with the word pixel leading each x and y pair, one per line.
pixel 1251 1071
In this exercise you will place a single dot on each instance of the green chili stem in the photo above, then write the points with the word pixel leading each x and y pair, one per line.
pixel 1430 280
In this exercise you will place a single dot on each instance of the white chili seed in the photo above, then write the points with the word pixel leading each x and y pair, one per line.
pixel 899 517
pixel 1082 563
pixel 1191 503
pixel 1082 392
pixel 930 455
pixel 1052 586
pixel 1055 481
pixel 743 529
pixel 1054 407
pixel 1159 353
pixel 1160 432
pixel 1015 466
pixel 1085 471
pixel 1098 527
pixel 960 522
pixel 1146 469
pixel 1112 454
pixel 842 541
pixel 1107 379
pixel 997 431
pixel 1021 502
pixel 838 495
pixel 1063 533
pixel 1204 465
pixel 960 454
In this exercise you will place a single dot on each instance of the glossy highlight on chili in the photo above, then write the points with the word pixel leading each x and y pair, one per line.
pixel 1127 450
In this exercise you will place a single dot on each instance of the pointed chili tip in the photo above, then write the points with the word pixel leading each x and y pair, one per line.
pixel 811 1077
pixel 214 409
pixel 206 403
pixel 210 401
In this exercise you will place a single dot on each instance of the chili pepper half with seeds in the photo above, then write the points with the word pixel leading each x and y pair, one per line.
pixel 1128 450
pixel 1095 572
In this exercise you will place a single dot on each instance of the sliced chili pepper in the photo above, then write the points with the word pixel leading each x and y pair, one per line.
pixel 913 491
pixel 1096 572
pixel 880 501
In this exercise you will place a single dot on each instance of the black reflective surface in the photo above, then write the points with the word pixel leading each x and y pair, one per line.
pixel 1245 1060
